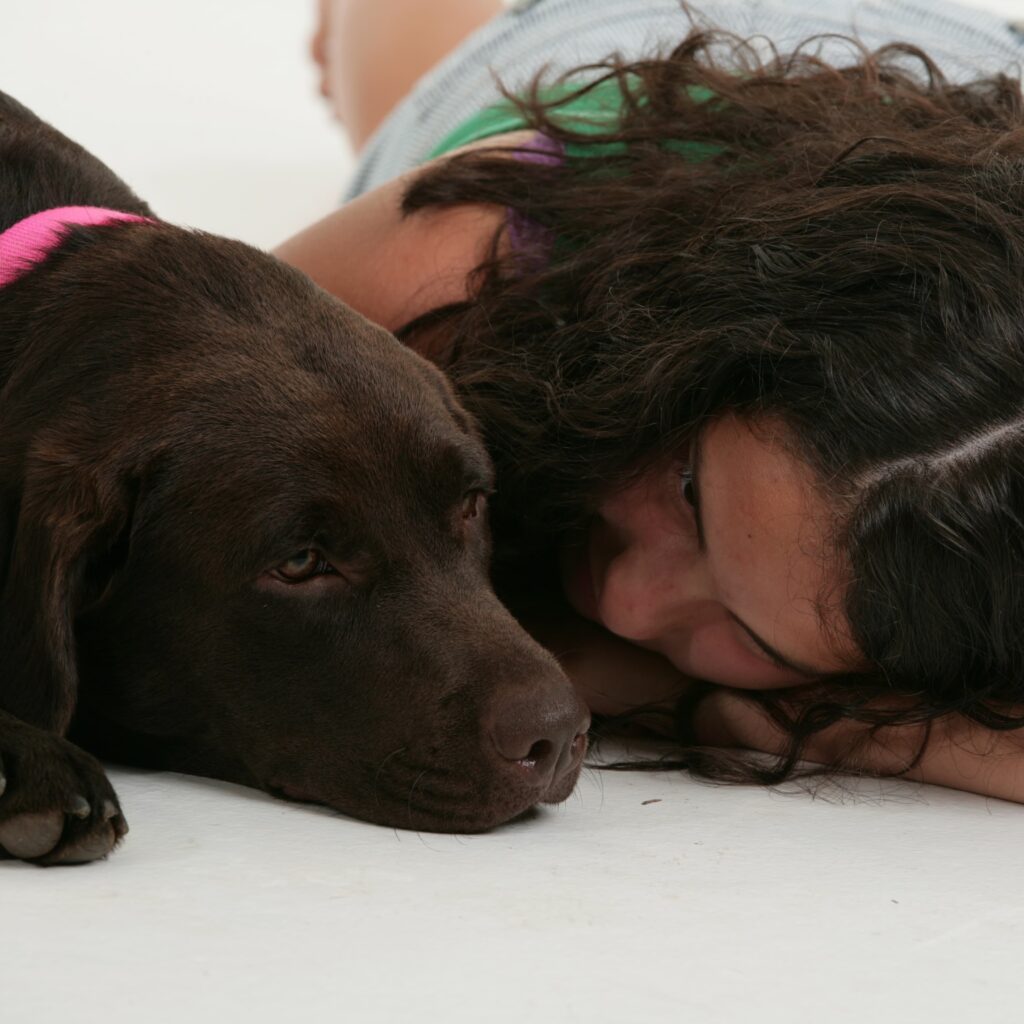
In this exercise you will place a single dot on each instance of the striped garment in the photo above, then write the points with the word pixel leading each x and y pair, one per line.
pixel 561 34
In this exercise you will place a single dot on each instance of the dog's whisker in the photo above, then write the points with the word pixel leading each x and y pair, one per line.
pixel 451 792
pixel 380 768
pixel 412 791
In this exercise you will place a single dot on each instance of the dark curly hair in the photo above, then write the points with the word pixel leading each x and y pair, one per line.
pixel 847 257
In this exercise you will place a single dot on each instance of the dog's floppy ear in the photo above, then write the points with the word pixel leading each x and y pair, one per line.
pixel 59 534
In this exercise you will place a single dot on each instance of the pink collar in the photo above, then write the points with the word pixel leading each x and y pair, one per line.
pixel 31 240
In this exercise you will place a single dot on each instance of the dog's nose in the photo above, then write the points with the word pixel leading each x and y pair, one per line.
pixel 543 733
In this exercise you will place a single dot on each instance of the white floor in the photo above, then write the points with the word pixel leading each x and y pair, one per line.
pixel 646 897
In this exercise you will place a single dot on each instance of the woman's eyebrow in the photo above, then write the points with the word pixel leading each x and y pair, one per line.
pixel 790 663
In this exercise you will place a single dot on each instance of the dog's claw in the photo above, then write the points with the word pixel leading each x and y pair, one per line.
pixel 90 847
pixel 32 835
pixel 80 807
pixel 113 815
pixel 59 807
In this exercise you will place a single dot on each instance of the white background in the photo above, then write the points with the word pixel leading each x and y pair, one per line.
pixel 644 898
pixel 207 108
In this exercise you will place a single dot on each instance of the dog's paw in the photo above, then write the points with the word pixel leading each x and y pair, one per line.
pixel 56 805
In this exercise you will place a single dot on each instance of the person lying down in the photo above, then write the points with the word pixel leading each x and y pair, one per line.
pixel 743 326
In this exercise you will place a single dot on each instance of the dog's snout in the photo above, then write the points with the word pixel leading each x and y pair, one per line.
pixel 542 733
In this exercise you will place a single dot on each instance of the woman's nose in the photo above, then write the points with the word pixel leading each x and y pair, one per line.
pixel 648 590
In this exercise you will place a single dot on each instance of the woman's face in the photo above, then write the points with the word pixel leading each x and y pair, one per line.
pixel 732 579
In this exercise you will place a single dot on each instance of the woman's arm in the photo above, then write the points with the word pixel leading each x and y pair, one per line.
pixel 388 267
pixel 959 754
pixel 393 268
pixel 612 676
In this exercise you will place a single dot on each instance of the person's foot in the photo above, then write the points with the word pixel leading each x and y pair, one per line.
pixel 372 52
pixel 318 44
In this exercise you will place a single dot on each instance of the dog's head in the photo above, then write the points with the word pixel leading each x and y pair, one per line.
pixel 245 536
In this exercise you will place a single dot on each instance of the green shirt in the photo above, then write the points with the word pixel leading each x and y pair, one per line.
pixel 595 112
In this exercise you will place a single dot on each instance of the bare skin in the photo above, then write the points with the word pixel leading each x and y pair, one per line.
pixel 371 53
pixel 761 565
pixel 393 268
pixel 655 607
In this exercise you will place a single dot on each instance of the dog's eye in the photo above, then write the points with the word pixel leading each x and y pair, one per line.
pixel 303 565
pixel 473 504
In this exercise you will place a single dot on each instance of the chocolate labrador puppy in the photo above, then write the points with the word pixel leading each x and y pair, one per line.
pixel 243 535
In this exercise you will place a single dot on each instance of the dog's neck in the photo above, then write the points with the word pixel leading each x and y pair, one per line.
pixel 30 241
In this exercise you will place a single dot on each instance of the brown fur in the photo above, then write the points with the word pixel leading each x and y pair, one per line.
pixel 180 415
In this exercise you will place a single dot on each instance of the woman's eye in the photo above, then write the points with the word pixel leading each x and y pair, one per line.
pixel 686 488
pixel 303 565
pixel 764 656
pixel 760 653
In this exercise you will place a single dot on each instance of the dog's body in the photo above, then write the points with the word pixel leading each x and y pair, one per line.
pixel 240 537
